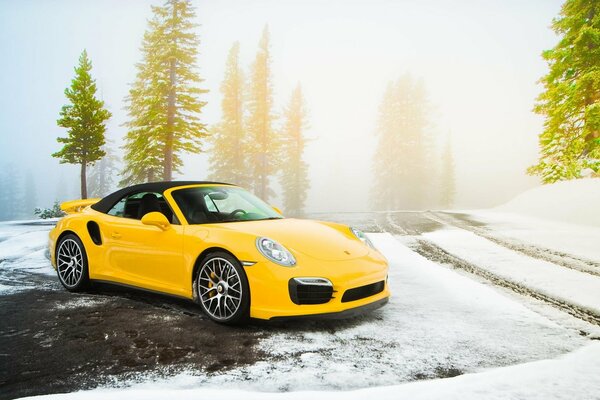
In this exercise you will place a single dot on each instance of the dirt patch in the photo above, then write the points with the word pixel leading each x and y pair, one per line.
pixel 49 348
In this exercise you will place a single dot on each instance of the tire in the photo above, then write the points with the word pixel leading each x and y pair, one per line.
pixel 72 263
pixel 223 290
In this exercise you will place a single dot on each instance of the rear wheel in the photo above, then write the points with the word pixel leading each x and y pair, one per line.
pixel 223 290
pixel 71 263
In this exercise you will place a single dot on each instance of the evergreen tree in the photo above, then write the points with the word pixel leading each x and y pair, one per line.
pixel 570 102
pixel 294 170
pixel 85 119
pixel 447 177
pixel 102 174
pixel 163 103
pixel 400 162
pixel 264 145
pixel 228 157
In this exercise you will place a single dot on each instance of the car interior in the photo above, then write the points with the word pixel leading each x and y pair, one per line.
pixel 137 205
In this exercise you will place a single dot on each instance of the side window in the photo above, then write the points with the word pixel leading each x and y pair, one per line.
pixel 118 209
pixel 129 207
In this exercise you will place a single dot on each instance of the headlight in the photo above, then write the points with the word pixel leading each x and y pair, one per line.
pixel 360 235
pixel 275 252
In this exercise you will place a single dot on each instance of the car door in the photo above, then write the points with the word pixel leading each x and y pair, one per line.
pixel 145 256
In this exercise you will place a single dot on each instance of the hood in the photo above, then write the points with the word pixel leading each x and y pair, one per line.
pixel 313 238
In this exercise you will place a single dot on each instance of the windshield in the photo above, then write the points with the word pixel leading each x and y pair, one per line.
pixel 212 204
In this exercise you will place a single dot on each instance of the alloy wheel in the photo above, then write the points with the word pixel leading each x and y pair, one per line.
pixel 69 259
pixel 220 288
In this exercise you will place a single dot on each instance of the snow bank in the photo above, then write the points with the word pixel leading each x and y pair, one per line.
pixel 573 376
pixel 576 202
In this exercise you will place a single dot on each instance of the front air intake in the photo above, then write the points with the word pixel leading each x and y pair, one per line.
pixel 310 290
pixel 363 291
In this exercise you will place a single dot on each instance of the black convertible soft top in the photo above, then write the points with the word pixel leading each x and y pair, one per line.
pixel 109 201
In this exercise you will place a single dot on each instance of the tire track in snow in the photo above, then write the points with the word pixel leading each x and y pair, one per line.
pixel 435 253
pixel 553 256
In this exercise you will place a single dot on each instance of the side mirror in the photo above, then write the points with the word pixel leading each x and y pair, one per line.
pixel 156 219
pixel 277 209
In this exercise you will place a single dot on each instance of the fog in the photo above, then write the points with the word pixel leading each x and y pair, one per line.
pixel 479 62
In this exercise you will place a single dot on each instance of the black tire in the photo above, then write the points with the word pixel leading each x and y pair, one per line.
pixel 222 288
pixel 72 263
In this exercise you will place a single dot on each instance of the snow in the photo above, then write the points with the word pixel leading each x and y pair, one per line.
pixel 574 201
pixel 437 322
pixel 577 240
pixel 23 249
pixel 570 377
pixel 568 285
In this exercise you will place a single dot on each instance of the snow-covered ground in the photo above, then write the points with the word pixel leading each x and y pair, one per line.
pixel 437 322
pixel 568 285
pixel 447 333
pixel 574 202
pixel 569 377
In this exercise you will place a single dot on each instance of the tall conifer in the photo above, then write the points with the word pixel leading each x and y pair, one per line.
pixel 294 170
pixel 570 102
pixel 85 119
pixel 163 103
pixel 264 145
pixel 228 161
pixel 402 169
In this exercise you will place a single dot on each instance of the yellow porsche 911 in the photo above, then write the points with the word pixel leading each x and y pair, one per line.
pixel 221 247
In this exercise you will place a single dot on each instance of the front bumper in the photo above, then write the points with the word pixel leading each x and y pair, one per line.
pixel 270 292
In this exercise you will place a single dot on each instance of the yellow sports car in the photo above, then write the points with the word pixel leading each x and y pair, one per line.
pixel 221 247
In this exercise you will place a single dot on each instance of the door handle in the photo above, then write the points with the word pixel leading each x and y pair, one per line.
pixel 116 235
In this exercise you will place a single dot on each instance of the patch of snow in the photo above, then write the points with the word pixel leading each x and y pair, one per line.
pixel 82 302
pixel 561 283
pixel 574 201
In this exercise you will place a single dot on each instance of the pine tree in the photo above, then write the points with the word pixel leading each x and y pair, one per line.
pixel 447 177
pixel 163 103
pixel 294 170
pixel 264 145
pixel 228 157
pixel 400 161
pixel 570 102
pixel 85 119
pixel 102 174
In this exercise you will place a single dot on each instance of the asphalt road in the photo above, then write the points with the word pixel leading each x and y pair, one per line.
pixel 54 341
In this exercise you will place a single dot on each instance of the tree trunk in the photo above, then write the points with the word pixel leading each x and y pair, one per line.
pixel 83 180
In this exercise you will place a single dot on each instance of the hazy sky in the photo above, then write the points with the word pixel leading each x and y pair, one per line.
pixel 479 60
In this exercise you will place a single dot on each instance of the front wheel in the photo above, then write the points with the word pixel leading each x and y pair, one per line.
pixel 72 263
pixel 223 290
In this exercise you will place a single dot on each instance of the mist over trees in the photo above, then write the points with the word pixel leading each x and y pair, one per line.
pixel 247 148
pixel 446 184
pixel 402 162
pixel 263 141
pixel 102 174
pixel 294 170
pixel 85 119
pixel 570 103
pixel 164 103
pixel 228 157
